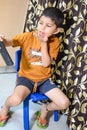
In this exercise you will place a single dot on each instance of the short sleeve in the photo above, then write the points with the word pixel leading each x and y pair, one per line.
pixel 20 39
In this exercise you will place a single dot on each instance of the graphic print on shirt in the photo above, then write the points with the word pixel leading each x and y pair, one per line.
pixel 35 57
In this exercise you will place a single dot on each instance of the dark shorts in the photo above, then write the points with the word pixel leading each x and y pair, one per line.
pixel 42 87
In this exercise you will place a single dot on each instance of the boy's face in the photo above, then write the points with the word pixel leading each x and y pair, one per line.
pixel 46 27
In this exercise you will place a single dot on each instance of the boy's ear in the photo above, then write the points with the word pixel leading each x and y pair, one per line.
pixel 57 30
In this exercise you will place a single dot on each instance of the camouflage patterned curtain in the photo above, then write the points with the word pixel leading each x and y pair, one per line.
pixel 69 71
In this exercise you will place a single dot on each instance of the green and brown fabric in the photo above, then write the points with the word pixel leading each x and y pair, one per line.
pixel 69 71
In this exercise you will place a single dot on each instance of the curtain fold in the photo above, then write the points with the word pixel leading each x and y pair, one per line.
pixel 69 71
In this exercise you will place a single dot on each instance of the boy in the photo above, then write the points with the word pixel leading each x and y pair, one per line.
pixel 39 48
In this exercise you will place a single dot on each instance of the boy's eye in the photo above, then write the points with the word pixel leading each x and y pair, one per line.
pixel 40 22
pixel 49 26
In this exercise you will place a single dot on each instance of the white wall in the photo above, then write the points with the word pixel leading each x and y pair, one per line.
pixel 12 18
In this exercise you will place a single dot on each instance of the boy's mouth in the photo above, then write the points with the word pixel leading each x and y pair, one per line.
pixel 41 33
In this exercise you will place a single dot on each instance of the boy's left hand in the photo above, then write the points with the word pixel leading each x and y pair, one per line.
pixel 41 37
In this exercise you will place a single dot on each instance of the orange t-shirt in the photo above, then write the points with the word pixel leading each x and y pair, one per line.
pixel 31 64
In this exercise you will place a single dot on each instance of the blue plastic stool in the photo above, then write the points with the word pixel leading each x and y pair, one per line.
pixel 35 97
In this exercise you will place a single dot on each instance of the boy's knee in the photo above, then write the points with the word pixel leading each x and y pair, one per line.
pixel 66 103
pixel 16 100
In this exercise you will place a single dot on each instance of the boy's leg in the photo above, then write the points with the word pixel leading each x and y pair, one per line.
pixel 19 94
pixel 59 102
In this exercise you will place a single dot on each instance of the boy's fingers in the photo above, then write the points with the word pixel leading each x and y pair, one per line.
pixel 1 38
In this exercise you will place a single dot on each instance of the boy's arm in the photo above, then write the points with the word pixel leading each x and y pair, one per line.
pixel 46 59
pixel 5 41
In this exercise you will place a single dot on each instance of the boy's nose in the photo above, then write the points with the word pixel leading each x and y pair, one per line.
pixel 43 27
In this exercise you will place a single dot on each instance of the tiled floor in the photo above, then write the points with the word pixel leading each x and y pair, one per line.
pixel 7 83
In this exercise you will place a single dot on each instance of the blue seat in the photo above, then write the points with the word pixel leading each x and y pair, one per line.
pixel 35 97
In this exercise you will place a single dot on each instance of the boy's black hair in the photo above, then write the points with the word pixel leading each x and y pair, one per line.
pixel 55 14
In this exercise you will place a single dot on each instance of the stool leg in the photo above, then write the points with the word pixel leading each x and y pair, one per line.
pixel 26 114
pixel 56 115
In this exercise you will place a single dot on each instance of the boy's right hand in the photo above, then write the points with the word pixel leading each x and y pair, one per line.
pixel 1 38
pixel 5 41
